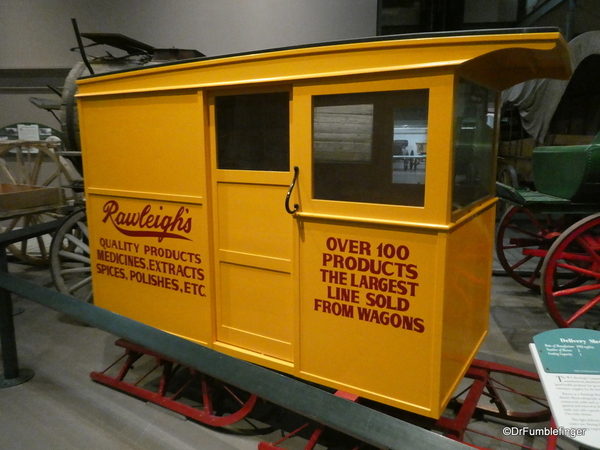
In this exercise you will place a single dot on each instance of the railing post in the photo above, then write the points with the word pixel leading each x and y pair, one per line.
pixel 12 376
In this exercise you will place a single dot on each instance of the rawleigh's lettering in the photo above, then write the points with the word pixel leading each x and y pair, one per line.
pixel 145 223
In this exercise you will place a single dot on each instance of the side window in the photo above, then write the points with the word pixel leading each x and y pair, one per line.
pixel 253 131
pixel 371 147
pixel 473 144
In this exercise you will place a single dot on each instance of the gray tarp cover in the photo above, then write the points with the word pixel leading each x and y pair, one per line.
pixel 537 100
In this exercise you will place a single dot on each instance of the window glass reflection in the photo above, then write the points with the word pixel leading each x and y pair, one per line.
pixel 371 147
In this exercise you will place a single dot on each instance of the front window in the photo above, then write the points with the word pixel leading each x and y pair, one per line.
pixel 371 147
pixel 473 144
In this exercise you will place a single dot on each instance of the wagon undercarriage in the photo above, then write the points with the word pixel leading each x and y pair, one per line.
pixel 489 392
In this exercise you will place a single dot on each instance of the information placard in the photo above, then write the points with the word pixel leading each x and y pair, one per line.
pixel 568 362
pixel 572 350
pixel 28 132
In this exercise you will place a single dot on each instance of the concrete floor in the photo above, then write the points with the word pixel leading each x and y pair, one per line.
pixel 60 408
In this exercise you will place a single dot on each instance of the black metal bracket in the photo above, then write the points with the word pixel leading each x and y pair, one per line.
pixel 80 46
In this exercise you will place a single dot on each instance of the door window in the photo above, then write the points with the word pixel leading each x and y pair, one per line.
pixel 253 131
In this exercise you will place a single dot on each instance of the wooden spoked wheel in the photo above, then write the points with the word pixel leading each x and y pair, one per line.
pixel 522 241
pixel 70 258
pixel 34 251
pixel 577 254
pixel 33 166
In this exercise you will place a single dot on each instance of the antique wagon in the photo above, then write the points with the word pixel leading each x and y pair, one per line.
pixel 550 241
pixel 252 203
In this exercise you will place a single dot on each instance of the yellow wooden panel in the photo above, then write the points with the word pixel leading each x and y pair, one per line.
pixel 150 263
pixel 253 220
pixel 368 312
pixel 256 310
pixel 148 144
pixel 467 291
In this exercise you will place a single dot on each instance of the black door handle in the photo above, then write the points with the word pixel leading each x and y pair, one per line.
pixel 287 198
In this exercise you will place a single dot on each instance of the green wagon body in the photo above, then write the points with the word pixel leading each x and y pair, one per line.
pixel 570 172
pixel 550 242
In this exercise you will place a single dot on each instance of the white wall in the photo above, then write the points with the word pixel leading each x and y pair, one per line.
pixel 38 33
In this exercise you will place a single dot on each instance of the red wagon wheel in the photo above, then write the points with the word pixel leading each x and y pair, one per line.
pixel 575 252
pixel 522 241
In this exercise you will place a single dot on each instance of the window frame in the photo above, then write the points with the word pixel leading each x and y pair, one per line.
pixel 435 213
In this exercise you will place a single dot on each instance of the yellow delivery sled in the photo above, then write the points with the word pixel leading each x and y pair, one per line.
pixel 326 211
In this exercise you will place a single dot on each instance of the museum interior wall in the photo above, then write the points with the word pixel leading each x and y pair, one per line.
pixel 36 35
